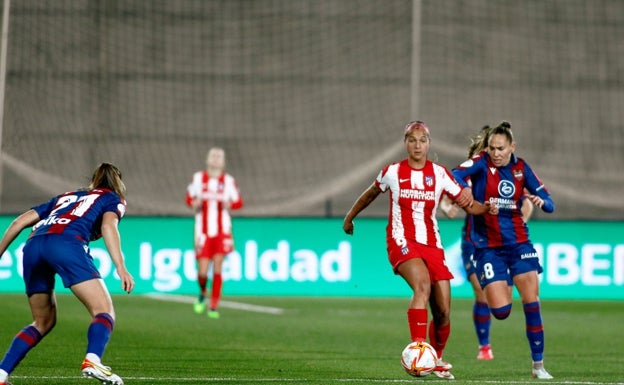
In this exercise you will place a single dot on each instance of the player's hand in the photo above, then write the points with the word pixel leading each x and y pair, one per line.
pixel 492 208
pixel 537 201
pixel 347 226
pixel 465 198
pixel 127 281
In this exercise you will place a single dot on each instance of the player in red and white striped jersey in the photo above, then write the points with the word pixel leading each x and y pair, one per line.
pixel 212 193
pixel 415 250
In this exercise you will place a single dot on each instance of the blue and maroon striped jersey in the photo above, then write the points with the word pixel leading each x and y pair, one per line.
pixel 505 187
pixel 78 213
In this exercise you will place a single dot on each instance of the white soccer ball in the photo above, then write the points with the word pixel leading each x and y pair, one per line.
pixel 419 359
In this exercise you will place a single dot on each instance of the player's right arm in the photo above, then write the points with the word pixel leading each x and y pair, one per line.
pixel 193 192
pixel 27 219
pixel 468 168
pixel 368 196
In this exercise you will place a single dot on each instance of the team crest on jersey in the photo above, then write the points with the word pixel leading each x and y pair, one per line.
pixel 518 174
pixel 429 180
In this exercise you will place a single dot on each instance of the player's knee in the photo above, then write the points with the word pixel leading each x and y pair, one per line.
pixel 501 312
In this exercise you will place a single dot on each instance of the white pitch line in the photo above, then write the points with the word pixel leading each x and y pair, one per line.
pixel 321 380
pixel 226 304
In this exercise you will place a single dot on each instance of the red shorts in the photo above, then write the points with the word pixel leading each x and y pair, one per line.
pixel 433 257
pixel 222 244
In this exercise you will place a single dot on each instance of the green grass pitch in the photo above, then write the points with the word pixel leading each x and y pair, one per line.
pixel 312 341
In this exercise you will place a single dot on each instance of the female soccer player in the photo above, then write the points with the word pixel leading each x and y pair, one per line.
pixel 212 193
pixel 480 309
pixel 503 251
pixel 415 250
pixel 59 244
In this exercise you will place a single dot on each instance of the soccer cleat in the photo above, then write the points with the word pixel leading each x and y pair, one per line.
pixel 213 313
pixel 444 374
pixel 485 353
pixel 100 372
pixel 540 373
pixel 6 383
pixel 199 307
pixel 442 370
pixel 443 366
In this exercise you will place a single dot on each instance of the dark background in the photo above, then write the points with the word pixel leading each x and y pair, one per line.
pixel 308 98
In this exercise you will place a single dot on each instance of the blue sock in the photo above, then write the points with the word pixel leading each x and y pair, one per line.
pixel 25 340
pixel 99 333
pixel 482 321
pixel 534 329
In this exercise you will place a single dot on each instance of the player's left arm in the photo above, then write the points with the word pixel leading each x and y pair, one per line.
pixel 538 193
pixel 112 240
pixel 527 207
pixel 233 199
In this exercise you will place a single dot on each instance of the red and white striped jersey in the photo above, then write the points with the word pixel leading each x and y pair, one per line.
pixel 218 195
pixel 414 198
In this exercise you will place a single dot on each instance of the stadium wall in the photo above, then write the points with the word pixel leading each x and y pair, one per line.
pixel 313 257
pixel 308 98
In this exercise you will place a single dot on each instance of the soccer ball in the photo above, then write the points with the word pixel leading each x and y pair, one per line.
pixel 419 359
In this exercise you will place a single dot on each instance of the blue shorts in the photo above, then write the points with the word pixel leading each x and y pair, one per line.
pixel 504 263
pixel 467 253
pixel 47 255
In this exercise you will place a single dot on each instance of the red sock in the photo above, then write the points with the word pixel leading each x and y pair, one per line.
pixel 202 280
pixel 438 337
pixel 217 282
pixel 417 321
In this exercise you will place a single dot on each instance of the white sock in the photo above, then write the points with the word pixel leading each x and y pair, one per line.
pixel 3 375
pixel 93 358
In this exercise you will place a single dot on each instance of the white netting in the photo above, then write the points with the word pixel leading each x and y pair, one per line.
pixel 308 98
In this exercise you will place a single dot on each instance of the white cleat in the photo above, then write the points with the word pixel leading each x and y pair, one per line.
pixel 445 374
pixel 100 372
pixel 442 370
pixel 541 374
pixel 442 365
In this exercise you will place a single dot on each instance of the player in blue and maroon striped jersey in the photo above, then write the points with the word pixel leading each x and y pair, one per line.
pixel 59 244
pixel 503 252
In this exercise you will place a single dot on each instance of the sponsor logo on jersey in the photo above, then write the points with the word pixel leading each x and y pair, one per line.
pixel 504 204
pixel 52 220
pixel 528 256
pixel 506 189
pixel 417 194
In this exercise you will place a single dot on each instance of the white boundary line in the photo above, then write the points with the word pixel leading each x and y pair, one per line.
pixel 321 380
pixel 225 304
